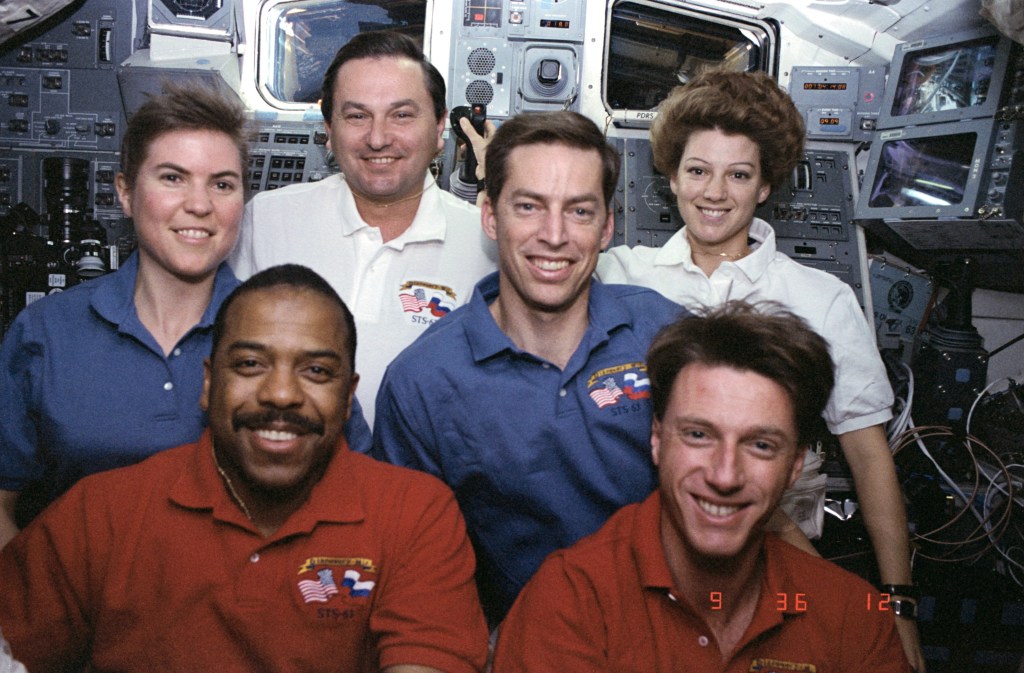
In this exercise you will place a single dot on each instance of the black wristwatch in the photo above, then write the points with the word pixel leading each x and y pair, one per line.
pixel 901 607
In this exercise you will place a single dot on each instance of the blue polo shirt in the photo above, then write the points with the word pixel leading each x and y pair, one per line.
pixel 538 457
pixel 84 386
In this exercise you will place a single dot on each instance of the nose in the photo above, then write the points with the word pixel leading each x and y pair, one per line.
pixel 714 188
pixel 198 200
pixel 378 135
pixel 552 229
pixel 725 472
pixel 281 389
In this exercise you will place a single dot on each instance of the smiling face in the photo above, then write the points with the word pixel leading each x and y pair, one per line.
pixel 186 203
pixel 718 185
pixel 550 222
pixel 278 390
pixel 726 449
pixel 383 132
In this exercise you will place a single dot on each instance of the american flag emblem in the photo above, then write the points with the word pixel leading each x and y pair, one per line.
pixel 319 590
pixel 636 388
pixel 607 395
pixel 413 302
pixel 356 587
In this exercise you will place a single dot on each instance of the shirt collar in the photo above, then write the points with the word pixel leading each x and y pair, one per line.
pixel 486 339
pixel 425 226
pixel 677 251
pixel 114 299
pixel 200 487
pixel 654 573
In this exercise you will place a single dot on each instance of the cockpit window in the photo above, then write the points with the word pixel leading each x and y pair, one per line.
pixel 298 40
pixel 653 47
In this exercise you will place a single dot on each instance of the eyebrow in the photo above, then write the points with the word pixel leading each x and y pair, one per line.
pixel 397 104
pixel 581 198
pixel 181 169
pixel 242 345
pixel 755 431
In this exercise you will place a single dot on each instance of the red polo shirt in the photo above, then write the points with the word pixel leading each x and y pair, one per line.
pixel 154 568
pixel 608 604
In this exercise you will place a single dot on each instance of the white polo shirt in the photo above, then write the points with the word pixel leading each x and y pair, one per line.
pixel 395 290
pixel 862 396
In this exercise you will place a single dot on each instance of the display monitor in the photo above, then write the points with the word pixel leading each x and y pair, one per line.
pixel 946 78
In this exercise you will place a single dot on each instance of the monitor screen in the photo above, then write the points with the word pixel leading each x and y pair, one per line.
pixel 948 77
pixel 923 171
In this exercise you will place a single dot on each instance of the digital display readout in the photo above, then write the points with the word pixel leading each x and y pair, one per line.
pixel 824 86
pixel 828 121
pixel 554 23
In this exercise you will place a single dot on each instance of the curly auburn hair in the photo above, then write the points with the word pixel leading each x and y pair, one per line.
pixel 748 104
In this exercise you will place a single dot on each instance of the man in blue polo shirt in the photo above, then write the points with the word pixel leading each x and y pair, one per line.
pixel 532 401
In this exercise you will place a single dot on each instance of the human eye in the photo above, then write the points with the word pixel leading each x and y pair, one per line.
pixel 319 373
pixel 524 207
pixel 246 366
pixel 695 436
pixel 225 185
pixel 741 175
pixel 171 177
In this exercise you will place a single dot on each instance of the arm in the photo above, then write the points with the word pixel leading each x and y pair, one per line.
pixel 479 143
pixel 880 497
pixel 8 528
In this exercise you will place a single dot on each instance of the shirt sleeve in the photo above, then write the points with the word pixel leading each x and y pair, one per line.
pixel 862 396
pixel 402 428
pixel 428 612
pixel 555 626
pixel 20 358
pixel 871 642
pixel 357 430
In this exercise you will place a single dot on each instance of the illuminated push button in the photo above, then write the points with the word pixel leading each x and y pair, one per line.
pixel 703 641
pixel 254 558
pixel 168 386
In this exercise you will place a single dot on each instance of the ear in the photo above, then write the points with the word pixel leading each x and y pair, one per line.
pixel 673 183
pixel 609 227
pixel 204 398
pixel 656 442
pixel 351 395
pixel 763 192
pixel 124 193
pixel 440 130
pixel 327 130
pixel 798 465
pixel 488 220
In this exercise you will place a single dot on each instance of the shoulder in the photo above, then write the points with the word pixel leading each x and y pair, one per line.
pixel 460 210
pixel 292 195
pixel 831 585
pixel 645 304
pixel 398 488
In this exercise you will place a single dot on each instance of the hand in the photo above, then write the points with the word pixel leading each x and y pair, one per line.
pixel 907 628
pixel 479 142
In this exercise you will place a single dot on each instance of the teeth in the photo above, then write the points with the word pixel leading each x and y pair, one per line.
pixel 276 435
pixel 380 160
pixel 712 213
pixel 716 510
pixel 193 233
pixel 551 265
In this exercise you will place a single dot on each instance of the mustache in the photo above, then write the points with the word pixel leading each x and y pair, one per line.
pixel 256 419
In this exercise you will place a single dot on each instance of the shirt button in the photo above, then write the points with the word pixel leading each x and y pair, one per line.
pixel 545 365
pixel 256 557
pixel 703 641
pixel 176 352
pixel 562 393
pixel 168 386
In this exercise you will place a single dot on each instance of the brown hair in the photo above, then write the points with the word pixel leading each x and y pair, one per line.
pixel 560 127
pixel 748 104
pixel 189 105
pixel 762 338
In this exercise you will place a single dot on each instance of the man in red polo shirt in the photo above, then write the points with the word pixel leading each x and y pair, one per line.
pixel 265 546
pixel 688 579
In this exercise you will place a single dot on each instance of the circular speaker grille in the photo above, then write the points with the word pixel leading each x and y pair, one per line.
pixel 479 92
pixel 481 61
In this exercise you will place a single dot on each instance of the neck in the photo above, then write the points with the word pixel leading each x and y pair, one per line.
pixel 709 258
pixel 391 217
pixel 266 511
pixel 169 306
pixel 551 335
pixel 724 592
